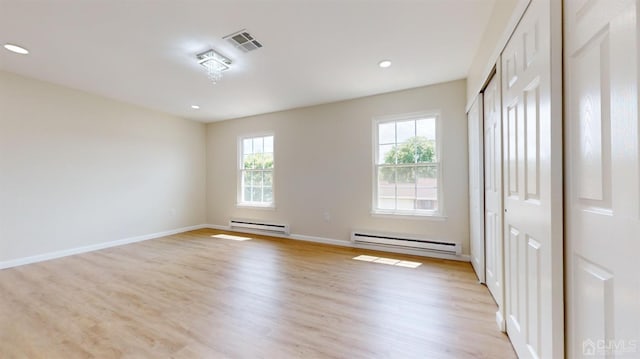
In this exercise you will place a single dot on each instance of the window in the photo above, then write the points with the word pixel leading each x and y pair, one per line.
pixel 256 171
pixel 407 166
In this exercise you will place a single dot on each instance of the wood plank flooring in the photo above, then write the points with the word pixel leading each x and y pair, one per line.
pixel 195 296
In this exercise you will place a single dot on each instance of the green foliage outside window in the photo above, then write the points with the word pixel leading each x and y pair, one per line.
pixel 258 161
pixel 417 150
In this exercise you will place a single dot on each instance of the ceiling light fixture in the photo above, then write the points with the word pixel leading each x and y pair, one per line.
pixel 214 63
pixel 17 49
pixel 195 107
pixel 384 63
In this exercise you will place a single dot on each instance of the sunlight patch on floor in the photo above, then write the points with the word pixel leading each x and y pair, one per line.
pixel 388 261
pixel 231 237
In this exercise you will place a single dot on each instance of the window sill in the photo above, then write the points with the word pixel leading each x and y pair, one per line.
pixel 412 216
pixel 266 207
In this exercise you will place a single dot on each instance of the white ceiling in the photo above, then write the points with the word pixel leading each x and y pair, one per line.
pixel 315 51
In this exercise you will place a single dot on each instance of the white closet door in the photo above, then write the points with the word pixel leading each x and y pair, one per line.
pixel 533 220
pixel 493 193
pixel 603 185
pixel 476 188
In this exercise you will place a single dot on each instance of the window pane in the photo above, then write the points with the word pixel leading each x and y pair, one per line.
pixel 386 188
pixel 268 194
pixel 258 158
pixel 406 130
pixel 258 145
pixel 427 175
pixel 267 161
pixel 386 175
pixel 406 188
pixel 385 202
pixel 268 144
pixel 405 203
pixel 256 194
pixel 247 178
pixel 247 146
pixel 256 178
pixel 406 175
pixel 426 127
pixel 246 194
pixel 258 161
pixel 427 190
pixel 385 154
pixel 424 150
pixel 248 161
pixel 427 193
pixel 427 204
pixel 386 133
pixel 268 179
pixel 407 191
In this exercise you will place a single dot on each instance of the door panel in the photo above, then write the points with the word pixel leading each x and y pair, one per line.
pixel 476 188
pixel 493 193
pixel 532 129
pixel 602 179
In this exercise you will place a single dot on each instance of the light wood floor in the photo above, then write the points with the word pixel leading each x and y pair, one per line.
pixel 194 296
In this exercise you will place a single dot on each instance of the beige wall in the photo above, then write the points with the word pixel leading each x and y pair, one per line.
pixel 323 161
pixel 504 17
pixel 78 169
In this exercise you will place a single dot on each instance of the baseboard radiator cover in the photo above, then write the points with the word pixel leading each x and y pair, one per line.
pixel 259 225
pixel 405 241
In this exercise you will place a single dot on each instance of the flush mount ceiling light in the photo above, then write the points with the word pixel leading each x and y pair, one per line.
pixel 195 107
pixel 384 63
pixel 214 63
pixel 17 49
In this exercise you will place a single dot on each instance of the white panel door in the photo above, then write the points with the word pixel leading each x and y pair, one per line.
pixel 493 194
pixel 602 179
pixel 533 220
pixel 476 188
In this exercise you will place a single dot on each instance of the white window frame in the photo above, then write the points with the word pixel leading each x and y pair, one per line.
pixel 240 170
pixel 438 214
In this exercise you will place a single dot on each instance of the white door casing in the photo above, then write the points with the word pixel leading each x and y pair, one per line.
pixel 533 218
pixel 476 188
pixel 602 179
pixel 493 194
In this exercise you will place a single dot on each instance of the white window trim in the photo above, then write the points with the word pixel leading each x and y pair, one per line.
pixel 239 153
pixel 440 214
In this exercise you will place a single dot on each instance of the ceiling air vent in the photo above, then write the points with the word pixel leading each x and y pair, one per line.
pixel 243 41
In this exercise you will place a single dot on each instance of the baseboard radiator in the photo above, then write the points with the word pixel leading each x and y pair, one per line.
pixel 259 225
pixel 405 241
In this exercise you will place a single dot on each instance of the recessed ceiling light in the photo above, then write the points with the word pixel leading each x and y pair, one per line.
pixel 17 49
pixel 384 63
pixel 195 107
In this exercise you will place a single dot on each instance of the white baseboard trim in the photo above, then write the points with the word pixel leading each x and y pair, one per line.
pixel 337 242
pixel 94 247
pixel 314 239
pixel 224 228
pixel 502 325
pixel 300 237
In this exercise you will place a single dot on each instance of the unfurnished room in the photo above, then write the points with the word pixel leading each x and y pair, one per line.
pixel 319 179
